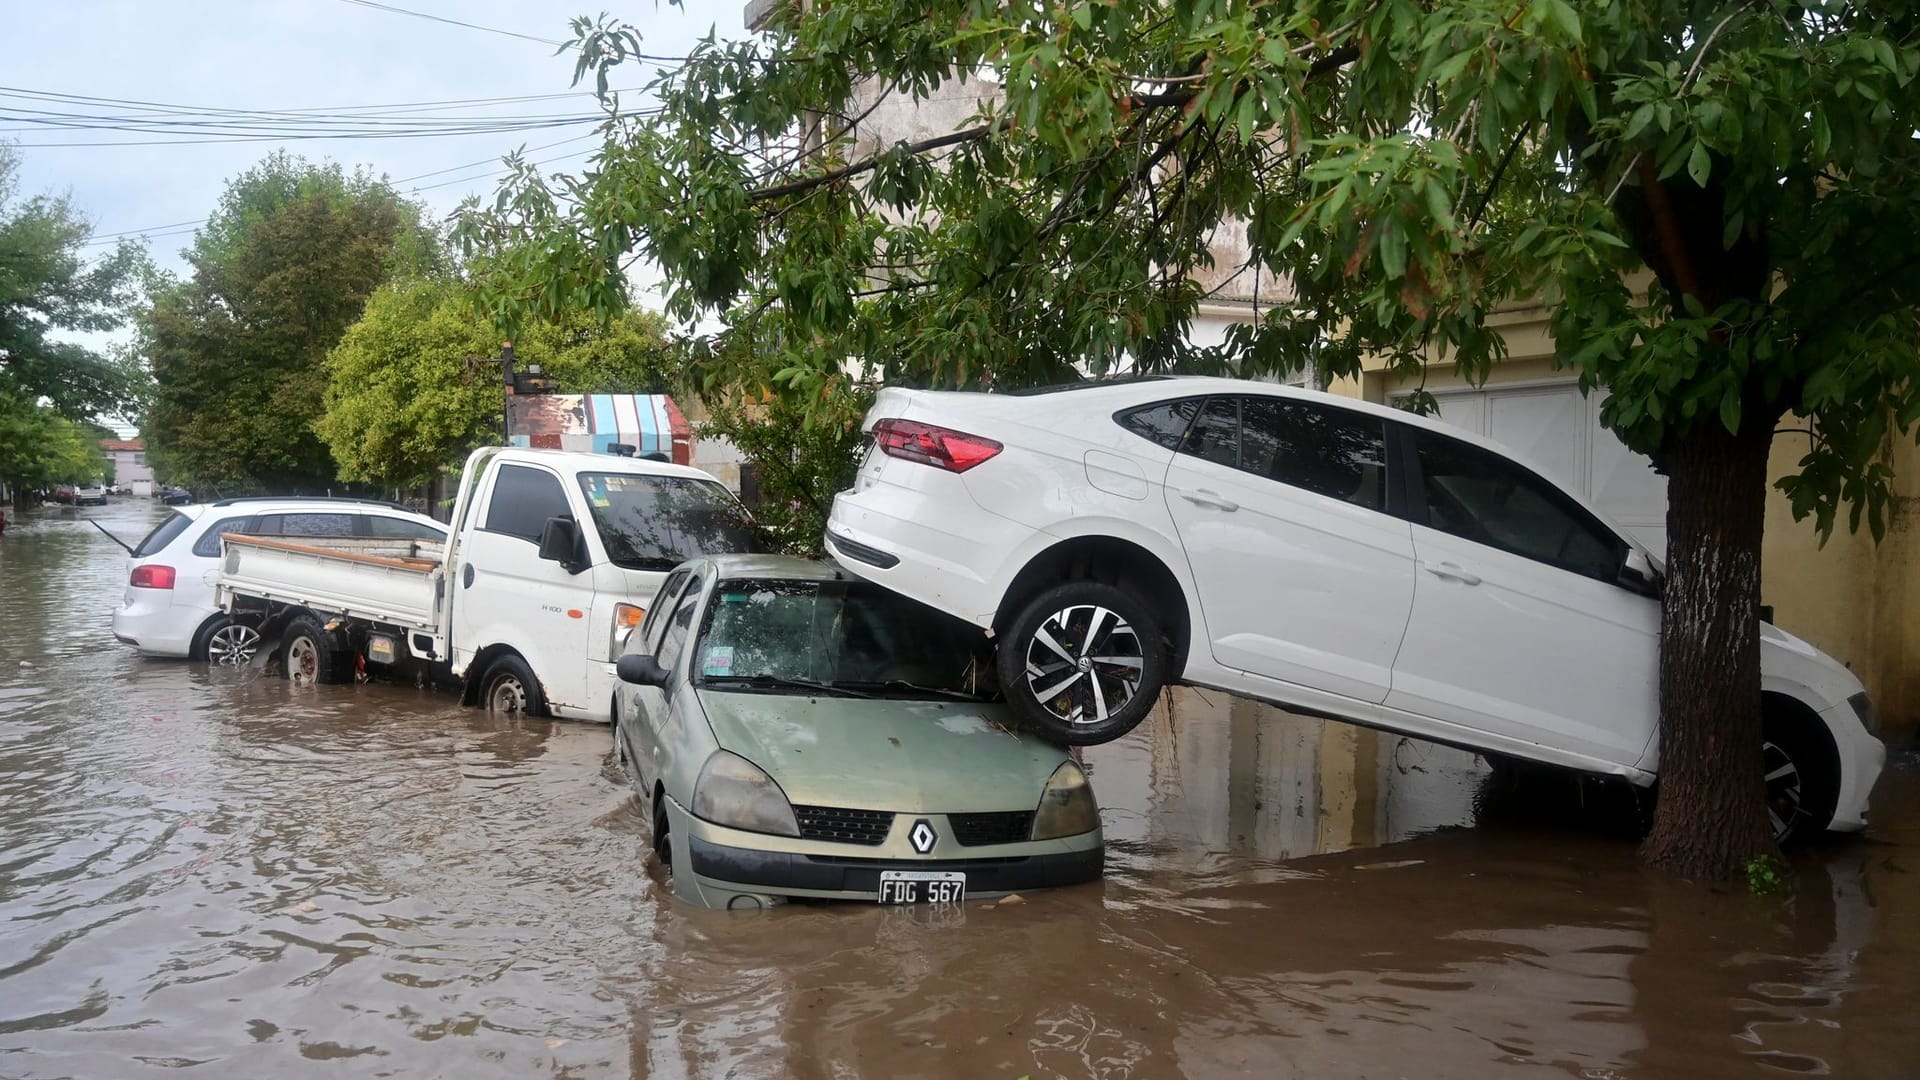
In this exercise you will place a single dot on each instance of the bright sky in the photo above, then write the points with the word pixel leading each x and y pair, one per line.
pixel 337 56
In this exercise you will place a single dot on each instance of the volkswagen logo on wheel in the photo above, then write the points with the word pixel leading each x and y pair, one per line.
pixel 922 836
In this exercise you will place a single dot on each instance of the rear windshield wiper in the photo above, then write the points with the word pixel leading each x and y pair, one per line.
pixel 937 691
pixel 781 682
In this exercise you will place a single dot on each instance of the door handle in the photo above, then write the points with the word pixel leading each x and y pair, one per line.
pixel 1204 497
pixel 1451 573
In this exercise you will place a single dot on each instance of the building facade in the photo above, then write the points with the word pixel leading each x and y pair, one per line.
pixel 130 469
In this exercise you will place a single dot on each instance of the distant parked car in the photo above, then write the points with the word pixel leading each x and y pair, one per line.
pixel 169 609
pixel 64 493
pixel 1314 551
pixel 90 495
pixel 799 734
pixel 169 495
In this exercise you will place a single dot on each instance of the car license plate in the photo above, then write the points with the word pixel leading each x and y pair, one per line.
pixel 922 886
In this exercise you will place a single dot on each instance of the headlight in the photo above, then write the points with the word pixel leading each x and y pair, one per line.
pixel 1863 708
pixel 625 618
pixel 1066 806
pixel 734 792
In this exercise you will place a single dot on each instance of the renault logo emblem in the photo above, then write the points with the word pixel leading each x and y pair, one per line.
pixel 922 836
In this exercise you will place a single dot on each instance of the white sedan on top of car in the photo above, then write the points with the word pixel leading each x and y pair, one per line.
pixel 1326 554
pixel 169 607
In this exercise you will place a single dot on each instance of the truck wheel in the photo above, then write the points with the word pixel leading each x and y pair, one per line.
pixel 313 654
pixel 509 687
pixel 1082 663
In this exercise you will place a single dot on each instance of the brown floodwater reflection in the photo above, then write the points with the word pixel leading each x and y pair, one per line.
pixel 216 873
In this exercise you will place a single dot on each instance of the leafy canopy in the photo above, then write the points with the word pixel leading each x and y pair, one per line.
pixel 1399 171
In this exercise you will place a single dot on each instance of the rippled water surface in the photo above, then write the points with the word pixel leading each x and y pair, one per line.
pixel 212 873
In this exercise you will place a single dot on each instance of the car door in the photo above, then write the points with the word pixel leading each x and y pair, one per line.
pixel 642 708
pixel 661 725
pixel 509 595
pixel 1304 576
pixel 1521 626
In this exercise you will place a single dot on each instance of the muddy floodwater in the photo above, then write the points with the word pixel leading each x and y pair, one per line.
pixel 213 873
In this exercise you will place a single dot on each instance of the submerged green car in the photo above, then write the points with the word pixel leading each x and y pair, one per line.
pixel 798 733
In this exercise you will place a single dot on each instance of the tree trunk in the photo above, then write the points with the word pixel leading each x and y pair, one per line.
pixel 1711 819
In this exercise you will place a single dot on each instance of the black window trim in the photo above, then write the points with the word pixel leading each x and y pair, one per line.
pixel 1416 489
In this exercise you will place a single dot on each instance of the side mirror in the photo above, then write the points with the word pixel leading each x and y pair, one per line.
pixel 640 670
pixel 1638 575
pixel 560 542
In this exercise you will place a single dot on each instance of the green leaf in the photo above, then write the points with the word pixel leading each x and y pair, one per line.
pixel 1730 410
pixel 1699 163
pixel 1393 250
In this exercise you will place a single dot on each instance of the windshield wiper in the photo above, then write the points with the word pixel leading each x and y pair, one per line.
pixel 940 691
pixel 782 682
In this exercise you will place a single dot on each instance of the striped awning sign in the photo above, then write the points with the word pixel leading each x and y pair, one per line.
pixel 650 423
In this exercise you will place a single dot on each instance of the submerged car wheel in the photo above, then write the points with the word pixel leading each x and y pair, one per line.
pixel 1801 783
pixel 509 687
pixel 1082 663
pixel 313 655
pixel 227 642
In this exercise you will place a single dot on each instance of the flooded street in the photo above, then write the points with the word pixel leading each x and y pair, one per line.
pixel 214 873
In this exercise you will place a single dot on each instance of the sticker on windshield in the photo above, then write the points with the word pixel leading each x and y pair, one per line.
pixel 719 660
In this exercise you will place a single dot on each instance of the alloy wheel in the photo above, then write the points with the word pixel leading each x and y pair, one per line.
pixel 233 644
pixel 1084 664
pixel 303 662
pixel 1785 790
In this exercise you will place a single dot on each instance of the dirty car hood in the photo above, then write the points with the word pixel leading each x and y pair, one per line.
pixel 905 756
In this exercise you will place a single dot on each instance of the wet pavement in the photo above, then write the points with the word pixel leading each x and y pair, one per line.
pixel 213 873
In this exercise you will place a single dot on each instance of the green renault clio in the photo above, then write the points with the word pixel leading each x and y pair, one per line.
pixel 800 733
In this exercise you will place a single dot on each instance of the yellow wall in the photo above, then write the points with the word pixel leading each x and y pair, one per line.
pixel 1856 600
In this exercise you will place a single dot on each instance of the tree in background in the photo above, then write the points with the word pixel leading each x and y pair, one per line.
pixel 802 457
pixel 1402 169
pixel 237 350
pixel 47 287
pixel 415 384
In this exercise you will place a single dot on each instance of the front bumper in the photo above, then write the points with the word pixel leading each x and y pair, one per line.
pixel 1862 758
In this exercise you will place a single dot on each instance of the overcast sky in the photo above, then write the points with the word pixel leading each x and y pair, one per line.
pixel 296 55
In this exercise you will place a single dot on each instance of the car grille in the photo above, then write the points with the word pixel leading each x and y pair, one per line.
pixel 843 826
pixel 979 830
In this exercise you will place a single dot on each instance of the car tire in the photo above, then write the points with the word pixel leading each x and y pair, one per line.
pixel 1082 663
pixel 223 641
pixel 1803 784
pixel 509 687
pixel 312 655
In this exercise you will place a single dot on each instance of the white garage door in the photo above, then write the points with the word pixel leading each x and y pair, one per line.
pixel 1558 429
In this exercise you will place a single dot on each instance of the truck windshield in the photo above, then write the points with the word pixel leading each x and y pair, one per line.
pixel 785 636
pixel 659 522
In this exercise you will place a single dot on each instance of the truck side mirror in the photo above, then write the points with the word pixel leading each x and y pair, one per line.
pixel 640 670
pixel 560 542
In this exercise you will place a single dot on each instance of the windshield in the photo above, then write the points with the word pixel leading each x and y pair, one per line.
pixel 845 635
pixel 659 522
pixel 162 534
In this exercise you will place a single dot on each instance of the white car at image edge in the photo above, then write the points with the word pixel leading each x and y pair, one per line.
pixel 1329 555
pixel 169 608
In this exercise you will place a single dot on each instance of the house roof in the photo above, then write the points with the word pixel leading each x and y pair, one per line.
pixel 110 445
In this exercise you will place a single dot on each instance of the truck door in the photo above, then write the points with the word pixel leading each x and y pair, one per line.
pixel 505 594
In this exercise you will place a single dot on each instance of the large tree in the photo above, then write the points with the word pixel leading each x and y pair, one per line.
pixel 238 349
pixel 1716 196
pixel 416 382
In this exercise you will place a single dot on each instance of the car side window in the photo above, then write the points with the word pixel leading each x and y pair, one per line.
pixel 647 641
pixel 1329 451
pixel 1480 496
pixel 393 528
pixel 678 628
pixel 1215 434
pixel 208 546
pixel 1164 424
pixel 306 525
pixel 523 500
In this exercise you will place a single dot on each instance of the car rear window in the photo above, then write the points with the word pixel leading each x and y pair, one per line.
pixel 208 546
pixel 162 535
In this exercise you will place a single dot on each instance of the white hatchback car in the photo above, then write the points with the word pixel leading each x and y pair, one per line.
pixel 169 607
pixel 1332 556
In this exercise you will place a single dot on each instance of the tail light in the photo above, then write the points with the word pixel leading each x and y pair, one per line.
pixel 152 576
pixel 942 448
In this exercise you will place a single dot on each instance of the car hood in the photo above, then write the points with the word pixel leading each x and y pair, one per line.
pixel 883 754
pixel 1788 664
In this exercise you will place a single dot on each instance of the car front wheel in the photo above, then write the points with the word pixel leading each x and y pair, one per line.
pixel 1082 663
pixel 1801 786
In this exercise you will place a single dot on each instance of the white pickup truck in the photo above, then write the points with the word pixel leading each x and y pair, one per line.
pixel 552 559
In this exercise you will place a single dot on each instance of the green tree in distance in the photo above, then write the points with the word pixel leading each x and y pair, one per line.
pixel 415 383
pixel 238 349
pixel 1404 168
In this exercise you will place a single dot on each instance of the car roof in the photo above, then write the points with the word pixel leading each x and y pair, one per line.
pixel 773 566
pixel 588 460
pixel 316 503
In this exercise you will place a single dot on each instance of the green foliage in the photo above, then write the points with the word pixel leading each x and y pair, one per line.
pixel 802 461
pixel 238 350
pixel 1402 171
pixel 39 447
pixel 1766 876
pixel 415 384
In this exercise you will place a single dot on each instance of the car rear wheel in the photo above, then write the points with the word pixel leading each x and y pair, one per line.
pixel 1082 663
pixel 1802 787
pixel 223 641
pixel 509 687
pixel 313 655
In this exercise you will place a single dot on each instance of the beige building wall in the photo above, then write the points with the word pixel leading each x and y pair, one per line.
pixel 1856 600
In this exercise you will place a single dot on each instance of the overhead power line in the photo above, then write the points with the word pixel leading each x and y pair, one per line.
pixel 455 22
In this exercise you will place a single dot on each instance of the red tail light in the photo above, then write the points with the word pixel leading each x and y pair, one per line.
pixel 152 576
pixel 943 448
